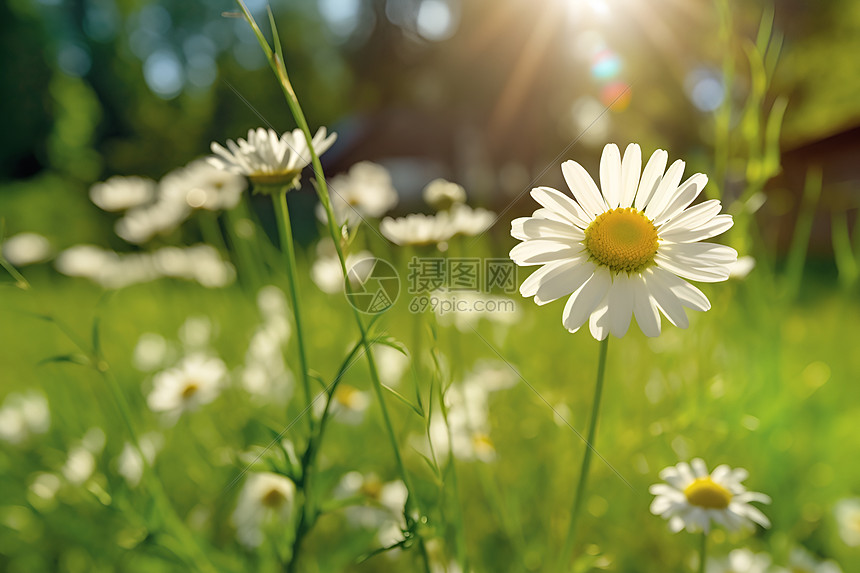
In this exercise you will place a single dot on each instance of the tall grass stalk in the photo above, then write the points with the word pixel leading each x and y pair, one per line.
pixel 276 61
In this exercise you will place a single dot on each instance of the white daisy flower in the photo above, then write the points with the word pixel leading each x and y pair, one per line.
pixel 199 185
pixel 391 364
pixel 364 192
pixel 326 271
pixel 378 505
pixel 740 561
pixel 848 519
pixel 81 463
pixel 692 498
pixel 143 223
pixel 195 381
pixel 802 561
pixel 265 503
pixel 624 251
pixel 23 416
pixel 120 193
pixel 417 229
pixel 26 249
pixel 466 221
pixel 348 404
pixel 130 463
pixel 267 159
pixel 442 194
pixel 265 375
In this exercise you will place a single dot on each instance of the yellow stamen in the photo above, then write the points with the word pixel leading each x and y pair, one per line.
pixel 273 498
pixel 191 388
pixel 622 239
pixel 270 182
pixel 346 396
pixel 706 493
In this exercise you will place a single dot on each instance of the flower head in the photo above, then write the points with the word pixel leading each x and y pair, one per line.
pixel 691 498
pixel 417 229
pixel 268 159
pixel 365 191
pixel 848 519
pixel 26 249
pixel 740 561
pixel 266 500
pixel 23 416
pixel 120 193
pixel 442 194
pixel 194 382
pixel 623 251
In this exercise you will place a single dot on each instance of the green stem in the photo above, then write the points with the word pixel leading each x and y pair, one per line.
pixel 703 552
pixel 579 497
pixel 288 248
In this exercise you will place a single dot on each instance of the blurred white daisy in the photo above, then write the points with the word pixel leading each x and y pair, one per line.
pixel 417 229
pixel 742 267
pixel 464 309
pixel 378 505
pixel 23 416
pixel 802 561
pixel 442 194
pixel 265 375
pixel 265 504
pixel 195 381
pixel 81 463
pixel 692 498
pixel 150 352
pixel 130 464
pixel 348 404
pixel 466 221
pixel 391 364
pixel 363 192
pixel 848 518
pixel 200 185
pixel 142 224
pixel 268 159
pixel 326 271
pixel 26 249
pixel 624 251
pixel 740 561
pixel 120 193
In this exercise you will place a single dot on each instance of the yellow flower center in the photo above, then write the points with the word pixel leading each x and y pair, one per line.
pixel 275 182
pixel 191 388
pixel 622 239
pixel 704 492
pixel 347 396
pixel 372 488
pixel 273 498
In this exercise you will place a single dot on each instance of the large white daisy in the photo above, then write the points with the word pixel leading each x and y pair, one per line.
pixel 623 251
pixel 691 498
pixel 269 159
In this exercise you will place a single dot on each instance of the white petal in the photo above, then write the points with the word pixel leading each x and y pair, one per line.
pixel 631 168
pixel 531 284
pixel 532 228
pixel 717 225
pixel 620 301
pixel 645 309
pixel 686 194
pixel 651 177
pixel 700 470
pixel 610 175
pixel 666 300
pixel 562 205
pixel 705 275
pixel 542 251
pixel 689 295
pixel 691 218
pixel 666 190
pixel 598 322
pixel 700 254
pixel 583 188
pixel 582 303
pixel 562 282
pixel 544 213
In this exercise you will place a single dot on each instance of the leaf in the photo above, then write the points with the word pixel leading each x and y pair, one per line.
pixel 403 399
pixel 73 358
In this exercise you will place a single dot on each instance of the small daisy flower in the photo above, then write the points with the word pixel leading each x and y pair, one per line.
pixel 380 505
pixel 199 185
pixel 626 250
pixel 364 192
pixel 391 364
pixel 348 404
pixel 848 519
pixel 692 498
pixel 265 502
pixel 417 229
pixel 326 271
pixel 466 221
pixel 120 193
pixel 442 195
pixel 267 159
pixel 130 463
pixel 23 416
pixel 194 382
pixel 740 561
pixel 26 249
